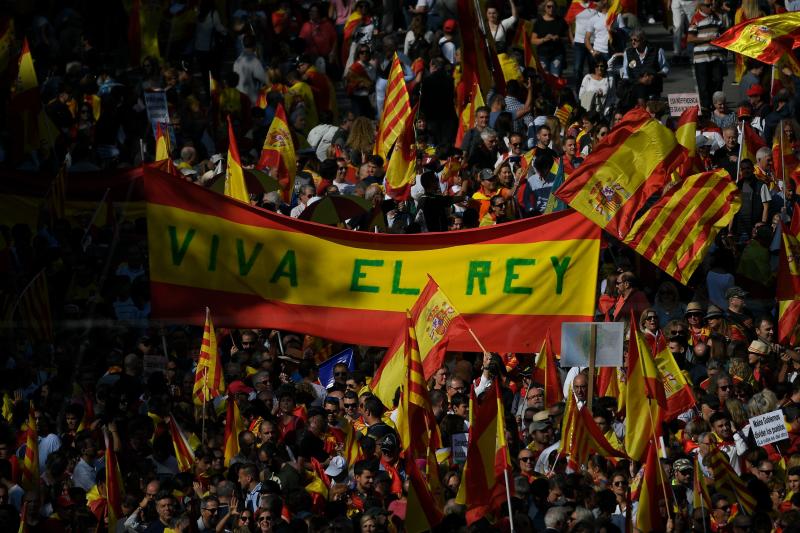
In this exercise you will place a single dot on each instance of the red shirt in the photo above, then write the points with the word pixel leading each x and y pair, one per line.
pixel 320 37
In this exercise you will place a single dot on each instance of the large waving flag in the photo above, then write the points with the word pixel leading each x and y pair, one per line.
pixel 235 186
pixel 677 389
pixel 546 373
pixel 788 286
pixel 396 109
pixel 645 398
pixel 676 232
pixel 278 153
pixel 467 117
pixel 183 449
pixel 209 381
pixel 653 494
pixel 435 319
pixel 627 167
pixel 34 308
pixel 325 369
pixel 482 487
pixel 402 168
pixel 422 512
pixel 587 439
pixel 478 55
pixel 30 462
pixel 34 129
pixel 113 485
pixel 767 39
pixel 234 424
pixel 728 482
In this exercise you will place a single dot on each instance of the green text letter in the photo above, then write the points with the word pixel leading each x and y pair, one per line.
pixel 286 268
pixel 561 268
pixel 478 270
pixel 396 288
pixel 511 264
pixel 246 264
pixel 355 286
pixel 178 252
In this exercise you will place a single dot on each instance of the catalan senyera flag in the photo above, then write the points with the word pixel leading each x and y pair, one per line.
pixel 482 487
pixel 422 513
pixel 587 439
pixel 113 485
pixel 235 186
pixel 30 462
pixel 767 39
pixel 644 400
pixel 467 116
pixel 653 494
pixel 162 143
pixel 396 109
pixel 209 381
pixel 676 232
pixel 278 153
pixel 234 424
pixel 34 308
pixel 728 482
pixel 788 286
pixel 702 496
pixel 678 391
pixel 434 320
pixel 402 167
pixel 416 423
pixel 183 449
pixel 478 54
pixel 686 134
pixel 562 114
pixel 750 143
pixel 626 168
pixel 783 158
pixel 546 373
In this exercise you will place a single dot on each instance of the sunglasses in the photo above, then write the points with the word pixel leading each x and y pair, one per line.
pixel 265 518
pixel 724 508
pixel 724 387
pixel 350 405
pixel 340 373
pixel 620 483
pixel 767 472
pixel 527 459
pixel 652 317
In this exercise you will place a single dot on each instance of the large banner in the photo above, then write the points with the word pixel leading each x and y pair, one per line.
pixel 254 268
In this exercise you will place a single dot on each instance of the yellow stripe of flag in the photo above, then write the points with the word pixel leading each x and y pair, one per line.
pixel 396 109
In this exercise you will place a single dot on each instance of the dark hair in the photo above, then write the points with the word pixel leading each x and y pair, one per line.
pixel 373 406
pixel 716 417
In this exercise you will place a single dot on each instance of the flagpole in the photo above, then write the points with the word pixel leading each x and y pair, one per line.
pixel 508 501
pixel 782 185
pixel 739 158
pixel 96 213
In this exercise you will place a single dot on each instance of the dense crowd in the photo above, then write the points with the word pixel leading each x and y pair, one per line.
pixel 327 65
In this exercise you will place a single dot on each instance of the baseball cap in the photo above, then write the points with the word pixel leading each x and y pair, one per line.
pixel 486 174
pixel 682 465
pixel 755 90
pixel 336 466
pixel 450 25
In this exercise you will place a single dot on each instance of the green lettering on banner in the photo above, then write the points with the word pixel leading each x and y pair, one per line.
pixel 286 268
pixel 212 254
pixel 396 288
pixel 179 252
pixel 246 264
pixel 561 268
pixel 358 264
pixel 511 275
pixel 478 270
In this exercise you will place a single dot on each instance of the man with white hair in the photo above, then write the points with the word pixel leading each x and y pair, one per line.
pixel 556 520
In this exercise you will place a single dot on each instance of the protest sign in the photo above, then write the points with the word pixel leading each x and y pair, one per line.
pixel 459 449
pixel 576 344
pixel 769 427
pixel 680 102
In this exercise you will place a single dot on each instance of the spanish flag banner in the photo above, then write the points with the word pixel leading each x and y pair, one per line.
pixel 478 55
pixel 546 374
pixel 645 398
pixel 260 269
pixel 162 142
pixel 653 493
pixel 396 109
pixel 750 143
pixel 235 186
pixel 677 389
pixel 627 167
pixel 767 39
pixel 686 134
pixel 676 232
pixel 278 156
pixel 113 484
pixel 788 286
pixel 234 424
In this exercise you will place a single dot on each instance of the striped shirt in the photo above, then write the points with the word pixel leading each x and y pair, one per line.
pixel 706 28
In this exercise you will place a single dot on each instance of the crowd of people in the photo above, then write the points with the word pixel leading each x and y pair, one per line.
pixel 99 381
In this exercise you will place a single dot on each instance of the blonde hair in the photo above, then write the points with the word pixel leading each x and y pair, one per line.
pixel 555 132
pixel 750 10
pixel 362 135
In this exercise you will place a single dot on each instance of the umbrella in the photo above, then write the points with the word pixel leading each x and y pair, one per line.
pixel 334 209
pixel 257 182
pixel 767 39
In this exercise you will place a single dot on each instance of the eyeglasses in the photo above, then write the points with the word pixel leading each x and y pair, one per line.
pixel 724 387
pixel 516 145
pixel 724 508
pixel 265 518
pixel 212 510
pixel 651 317
pixel 620 483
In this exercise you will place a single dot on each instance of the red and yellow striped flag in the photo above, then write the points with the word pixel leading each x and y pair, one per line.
pixel 30 462
pixel 586 439
pixel 645 398
pixel 209 381
pixel 233 426
pixel 627 167
pixel 653 493
pixel 402 168
pixel 180 442
pixel 396 109
pixel 783 158
pixel 113 485
pixel 562 114
pixel 235 186
pixel 422 511
pixel 728 482
pixel 546 373
pixel 676 232
pixel 34 308
pixel 35 131
pixel 701 497
pixel 278 156
pixel 788 286
pixel 767 39
pixel 435 320
pixel 162 143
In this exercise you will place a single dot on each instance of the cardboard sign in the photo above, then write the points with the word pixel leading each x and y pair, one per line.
pixel 769 427
pixel 154 363
pixel 680 102
pixel 459 449
pixel 575 343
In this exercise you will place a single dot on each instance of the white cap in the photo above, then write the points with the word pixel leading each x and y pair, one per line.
pixel 336 466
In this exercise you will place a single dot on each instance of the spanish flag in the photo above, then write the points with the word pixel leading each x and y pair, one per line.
pixel 396 109
pixel 587 439
pixel 677 389
pixel 30 462
pixel 750 143
pixel 422 511
pixel 767 39
pixel 627 167
pixel 34 307
pixel 402 168
pixel 467 116
pixel 644 400
pixel 435 319
pixel 783 158
pixel 162 143
pixel 607 382
pixel 618 7
pixel 676 232
pixel 350 26
pixel 235 186
pixel 208 379
pixel 183 449
pixel 653 493
pixel 233 426
pixel 546 373
pixel 686 134
pixel 788 286
pixel 113 485
pixel 35 129
pixel 278 156
pixel 478 55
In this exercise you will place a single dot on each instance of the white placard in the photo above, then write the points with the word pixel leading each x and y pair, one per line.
pixel 157 110
pixel 769 427
pixel 575 338
pixel 154 363
pixel 680 102
pixel 459 449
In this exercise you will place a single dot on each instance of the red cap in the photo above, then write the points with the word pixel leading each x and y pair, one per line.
pixel 450 25
pixel 238 387
pixel 744 111
pixel 755 90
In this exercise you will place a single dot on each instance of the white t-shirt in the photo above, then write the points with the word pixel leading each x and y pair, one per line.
pixel 597 27
pixel 505 25
pixel 582 24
